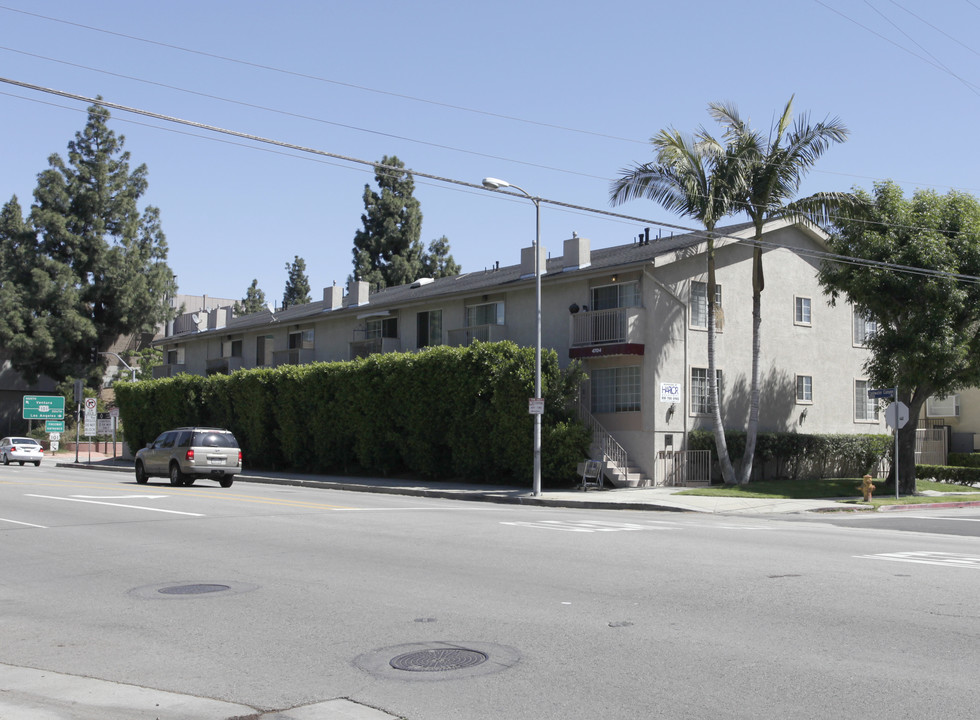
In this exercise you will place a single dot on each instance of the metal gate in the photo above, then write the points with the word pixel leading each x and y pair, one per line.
pixel 680 468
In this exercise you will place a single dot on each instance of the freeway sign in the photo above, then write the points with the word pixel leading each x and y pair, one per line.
pixel 54 426
pixel 44 407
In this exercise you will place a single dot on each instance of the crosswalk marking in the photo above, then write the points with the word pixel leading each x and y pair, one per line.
pixel 586 526
pixel 928 558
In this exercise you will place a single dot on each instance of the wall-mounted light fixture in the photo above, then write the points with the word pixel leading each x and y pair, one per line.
pixel 803 415
pixel 670 411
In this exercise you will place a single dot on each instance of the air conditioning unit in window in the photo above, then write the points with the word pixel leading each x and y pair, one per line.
pixel 937 407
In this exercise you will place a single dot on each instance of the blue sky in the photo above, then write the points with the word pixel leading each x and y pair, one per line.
pixel 556 97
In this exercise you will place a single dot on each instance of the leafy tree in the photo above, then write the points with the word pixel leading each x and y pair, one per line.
pixel 92 266
pixel 144 361
pixel 253 302
pixel 777 162
pixel 387 250
pixel 297 290
pixel 926 305
pixel 437 262
pixel 700 178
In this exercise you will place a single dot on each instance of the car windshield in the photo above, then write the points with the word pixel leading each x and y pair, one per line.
pixel 213 439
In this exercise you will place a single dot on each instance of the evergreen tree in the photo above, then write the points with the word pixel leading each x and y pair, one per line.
pixel 253 302
pixel 297 290
pixel 438 262
pixel 93 266
pixel 388 250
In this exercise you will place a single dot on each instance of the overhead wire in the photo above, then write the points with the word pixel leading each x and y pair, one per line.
pixel 463 183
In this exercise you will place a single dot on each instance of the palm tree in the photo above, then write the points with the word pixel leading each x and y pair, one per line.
pixel 776 167
pixel 700 178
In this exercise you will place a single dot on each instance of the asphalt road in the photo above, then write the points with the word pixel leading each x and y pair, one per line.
pixel 273 597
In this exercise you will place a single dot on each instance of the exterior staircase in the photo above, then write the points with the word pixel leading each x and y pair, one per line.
pixel 616 468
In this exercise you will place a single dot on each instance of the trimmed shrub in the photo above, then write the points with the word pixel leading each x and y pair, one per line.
pixel 443 412
pixel 948 474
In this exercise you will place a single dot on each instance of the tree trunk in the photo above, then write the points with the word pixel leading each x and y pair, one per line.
pixel 725 462
pixel 752 431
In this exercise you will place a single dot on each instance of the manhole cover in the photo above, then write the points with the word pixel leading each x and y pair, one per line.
pixel 197 589
pixel 438 660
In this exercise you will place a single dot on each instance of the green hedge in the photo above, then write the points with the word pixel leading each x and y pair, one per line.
pixel 969 460
pixel 797 455
pixel 443 412
pixel 949 473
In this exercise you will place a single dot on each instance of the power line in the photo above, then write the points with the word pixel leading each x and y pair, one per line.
pixel 318 78
pixel 462 183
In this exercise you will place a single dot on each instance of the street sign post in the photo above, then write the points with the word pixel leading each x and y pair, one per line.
pixel 44 407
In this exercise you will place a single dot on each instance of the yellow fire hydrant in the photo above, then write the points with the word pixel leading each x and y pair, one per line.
pixel 867 487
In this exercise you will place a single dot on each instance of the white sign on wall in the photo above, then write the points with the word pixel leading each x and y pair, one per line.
pixel 670 392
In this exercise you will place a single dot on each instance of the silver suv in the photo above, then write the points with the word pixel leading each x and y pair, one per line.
pixel 185 454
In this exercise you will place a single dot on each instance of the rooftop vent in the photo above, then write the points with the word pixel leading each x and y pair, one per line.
pixel 422 281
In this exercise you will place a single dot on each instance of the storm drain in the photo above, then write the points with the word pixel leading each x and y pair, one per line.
pixel 438 660
pixel 196 589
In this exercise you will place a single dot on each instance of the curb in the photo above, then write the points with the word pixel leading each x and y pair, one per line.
pixel 928 506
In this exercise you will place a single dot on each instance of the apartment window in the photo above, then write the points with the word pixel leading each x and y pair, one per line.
pixel 381 328
pixel 616 389
pixel 485 314
pixel 804 388
pixel 802 311
pixel 236 348
pixel 608 297
pixel 865 327
pixel 700 395
pixel 429 328
pixel 865 408
pixel 263 350
pixel 301 339
pixel 699 303
pixel 172 357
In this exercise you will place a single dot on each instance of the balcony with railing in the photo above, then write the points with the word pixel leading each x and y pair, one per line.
pixel 293 356
pixel 362 346
pixel 225 365
pixel 165 371
pixel 617 331
pixel 484 333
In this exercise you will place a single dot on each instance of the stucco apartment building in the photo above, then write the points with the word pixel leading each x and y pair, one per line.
pixel 635 316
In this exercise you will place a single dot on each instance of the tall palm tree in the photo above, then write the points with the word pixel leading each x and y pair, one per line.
pixel 703 179
pixel 775 168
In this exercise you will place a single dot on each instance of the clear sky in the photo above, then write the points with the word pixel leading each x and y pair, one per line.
pixel 556 97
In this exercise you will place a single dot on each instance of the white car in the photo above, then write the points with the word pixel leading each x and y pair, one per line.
pixel 21 450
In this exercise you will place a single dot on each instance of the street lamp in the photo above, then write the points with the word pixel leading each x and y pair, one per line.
pixel 496 184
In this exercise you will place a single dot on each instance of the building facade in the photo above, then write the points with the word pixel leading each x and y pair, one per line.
pixel 634 315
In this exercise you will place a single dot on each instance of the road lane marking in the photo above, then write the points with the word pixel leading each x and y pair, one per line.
pixel 120 497
pixel 587 526
pixel 17 522
pixel 132 507
pixel 928 558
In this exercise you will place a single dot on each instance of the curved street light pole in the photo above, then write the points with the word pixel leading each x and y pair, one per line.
pixel 496 184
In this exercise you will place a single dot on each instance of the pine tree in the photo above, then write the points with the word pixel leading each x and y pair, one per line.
pixel 388 250
pixel 297 290
pixel 253 302
pixel 94 266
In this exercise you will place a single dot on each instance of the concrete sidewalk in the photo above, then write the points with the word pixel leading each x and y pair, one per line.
pixel 664 499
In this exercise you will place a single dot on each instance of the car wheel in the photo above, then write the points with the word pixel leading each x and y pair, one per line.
pixel 226 482
pixel 37 464
pixel 6 460
pixel 176 476
pixel 141 476
pixel 188 481
pixel 22 463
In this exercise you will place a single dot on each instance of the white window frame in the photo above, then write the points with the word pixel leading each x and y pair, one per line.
pixel 803 311
pixel 701 389
pixel 865 408
pixel 863 328
pixel 804 389
pixel 699 304
pixel 620 389
pixel 470 312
